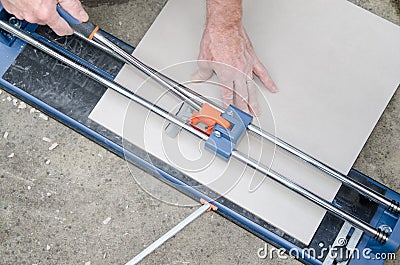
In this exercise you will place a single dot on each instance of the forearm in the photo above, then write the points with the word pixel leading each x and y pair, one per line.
pixel 224 14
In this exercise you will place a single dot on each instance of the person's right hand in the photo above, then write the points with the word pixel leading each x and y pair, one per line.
pixel 44 12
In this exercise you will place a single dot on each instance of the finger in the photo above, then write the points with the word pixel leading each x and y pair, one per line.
pixel 226 91
pixel 59 25
pixel 241 80
pixel 262 73
pixel 10 8
pixel 203 73
pixel 241 94
pixel 253 106
pixel 226 77
pixel 16 13
pixel 75 9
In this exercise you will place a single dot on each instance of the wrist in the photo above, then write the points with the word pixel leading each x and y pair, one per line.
pixel 224 14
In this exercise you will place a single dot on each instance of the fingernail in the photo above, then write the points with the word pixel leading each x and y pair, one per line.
pixel 274 89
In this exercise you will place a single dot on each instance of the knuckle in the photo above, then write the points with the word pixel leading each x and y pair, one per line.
pixel 43 15
pixel 20 17
pixel 29 18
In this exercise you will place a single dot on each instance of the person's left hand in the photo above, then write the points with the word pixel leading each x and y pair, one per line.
pixel 223 48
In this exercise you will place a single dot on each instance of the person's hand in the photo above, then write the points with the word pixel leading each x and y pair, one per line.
pixel 44 12
pixel 224 45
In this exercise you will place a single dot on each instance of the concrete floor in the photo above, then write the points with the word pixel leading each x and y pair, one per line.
pixel 56 213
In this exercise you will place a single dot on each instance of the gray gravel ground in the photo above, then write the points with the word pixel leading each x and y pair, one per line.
pixel 55 212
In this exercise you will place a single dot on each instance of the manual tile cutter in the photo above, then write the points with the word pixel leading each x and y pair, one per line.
pixel 225 128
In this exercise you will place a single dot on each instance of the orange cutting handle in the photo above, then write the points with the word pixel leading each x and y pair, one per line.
pixel 209 116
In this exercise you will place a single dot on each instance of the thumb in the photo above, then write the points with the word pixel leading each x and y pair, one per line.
pixel 203 73
pixel 75 9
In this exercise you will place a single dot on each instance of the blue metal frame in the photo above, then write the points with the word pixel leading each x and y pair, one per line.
pixel 381 216
pixel 10 46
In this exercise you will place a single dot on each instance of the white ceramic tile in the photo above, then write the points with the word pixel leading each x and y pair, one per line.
pixel 336 66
